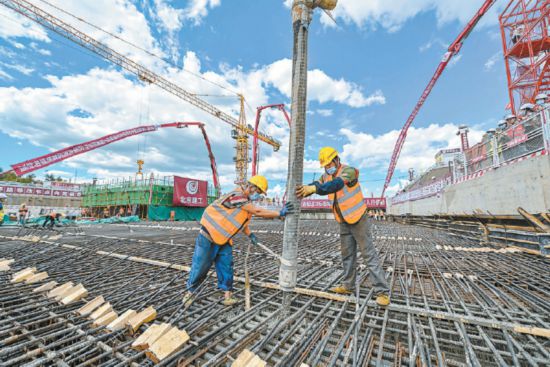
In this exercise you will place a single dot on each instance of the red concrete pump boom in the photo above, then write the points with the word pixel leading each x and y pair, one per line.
pixel 74 150
pixel 255 151
pixel 453 49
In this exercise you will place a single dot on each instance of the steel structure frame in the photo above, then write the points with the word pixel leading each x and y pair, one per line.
pixel 452 51
pixel 77 149
pixel 526 47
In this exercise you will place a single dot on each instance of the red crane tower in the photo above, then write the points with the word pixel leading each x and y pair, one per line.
pixel 526 46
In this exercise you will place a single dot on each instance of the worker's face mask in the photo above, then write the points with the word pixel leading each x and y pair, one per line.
pixel 254 194
pixel 254 197
pixel 331 170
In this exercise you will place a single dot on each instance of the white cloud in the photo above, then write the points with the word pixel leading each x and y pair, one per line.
pixel 431 43
pixel 321 87
pixel 4 75
pixel 374 152
pixel 198 9
pixel 13 25
pixel 455 60
pixel 490 63
pixel 18 67
pixel 121 18
pixel 324 112
pixel 391 15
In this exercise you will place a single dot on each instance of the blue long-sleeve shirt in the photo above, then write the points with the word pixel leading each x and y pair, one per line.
pixel 329 187
pixel 348 177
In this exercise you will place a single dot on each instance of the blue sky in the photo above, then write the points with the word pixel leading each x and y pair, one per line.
pixel 366 74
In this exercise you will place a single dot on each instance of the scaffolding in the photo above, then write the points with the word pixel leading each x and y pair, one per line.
pixel 133 196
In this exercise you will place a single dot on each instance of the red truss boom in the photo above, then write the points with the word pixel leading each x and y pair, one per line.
pixel 453 50
pixel 74 150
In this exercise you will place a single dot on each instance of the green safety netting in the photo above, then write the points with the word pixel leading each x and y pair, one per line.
pixel 180 213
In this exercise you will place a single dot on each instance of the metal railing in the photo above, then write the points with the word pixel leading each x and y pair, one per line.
pixel 499 147
pixel 523 138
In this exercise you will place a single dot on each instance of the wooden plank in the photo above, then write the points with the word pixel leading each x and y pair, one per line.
pixel 545 333
pixel 45 287
pixel 146 315
pixel 5 267
pixel 37 277
pixel 76 295
pixel 150 335
pixel 167 344
pixel 105 319
pixel 534 220
pixel 243 358
pixel 54 292
pixel 23 275
pixel 102 310
pixel 121 321
pixel 6 261
pixel 91 306
pixel 67 291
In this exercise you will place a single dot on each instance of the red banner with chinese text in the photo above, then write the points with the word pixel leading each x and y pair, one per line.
pixel 190 192
pixel 372 203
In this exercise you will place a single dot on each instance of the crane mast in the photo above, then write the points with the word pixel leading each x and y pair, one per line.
pixel 64 29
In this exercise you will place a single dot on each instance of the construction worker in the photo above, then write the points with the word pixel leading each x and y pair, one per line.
pixel 3 198
pixel 23 211
pixel 340 183
pixel 540 100
pixel 50 220
pixel 220 222
pixel 526 109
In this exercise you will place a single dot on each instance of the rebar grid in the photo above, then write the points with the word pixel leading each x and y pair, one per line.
pixel 449 307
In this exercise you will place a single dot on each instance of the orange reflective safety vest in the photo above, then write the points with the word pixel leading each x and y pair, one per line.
pixel 223 223
pixel 349 199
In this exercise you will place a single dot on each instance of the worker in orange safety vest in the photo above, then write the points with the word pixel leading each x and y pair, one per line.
pixel 341 184
pixel 220 222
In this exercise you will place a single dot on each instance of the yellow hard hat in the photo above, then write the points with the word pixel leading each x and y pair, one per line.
pixel 326 155
pixel 260 182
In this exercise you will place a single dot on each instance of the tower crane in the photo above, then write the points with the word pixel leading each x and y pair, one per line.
pixel 66 30
pixel 45 160
pixel 452 51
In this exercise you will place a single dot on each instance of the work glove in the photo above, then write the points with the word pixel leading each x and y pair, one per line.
pixel 287 208
pixel 305 191
pixel 253 239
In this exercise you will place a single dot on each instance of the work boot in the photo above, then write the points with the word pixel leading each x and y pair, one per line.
pixel 341 289
pixel 230 301
pixel 187 299
pixel 383 299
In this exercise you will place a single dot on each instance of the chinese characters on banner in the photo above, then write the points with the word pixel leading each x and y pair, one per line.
pixel 38 191
pixel 372 203
pixel 190 192
pixel 47 159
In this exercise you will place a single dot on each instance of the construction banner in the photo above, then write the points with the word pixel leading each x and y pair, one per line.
pixel 190 192
pixel 311 204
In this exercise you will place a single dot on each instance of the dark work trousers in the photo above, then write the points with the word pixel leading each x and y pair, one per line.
pixel 48 222
pixel 352 236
